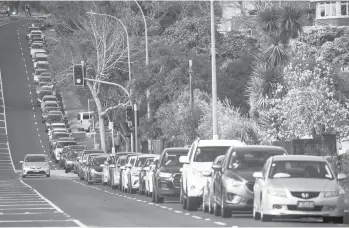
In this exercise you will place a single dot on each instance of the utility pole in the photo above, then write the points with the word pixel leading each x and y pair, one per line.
pixel 214 76
pixel 136 127
pixel 191 88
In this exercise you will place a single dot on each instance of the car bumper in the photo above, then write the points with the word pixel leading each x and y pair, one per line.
pixel 287 207
pixel 36 172
pixel 96 178
pixel 168 187
pixel 196 186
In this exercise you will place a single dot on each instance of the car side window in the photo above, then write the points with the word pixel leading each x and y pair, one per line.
pixel 192 150
pixel 265 167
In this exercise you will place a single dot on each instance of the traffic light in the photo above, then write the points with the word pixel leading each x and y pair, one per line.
pixel 78 73
pixel 129 114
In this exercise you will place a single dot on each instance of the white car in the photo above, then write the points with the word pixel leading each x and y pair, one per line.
pixel 298 186
pixel 59 147
pixel 38 54
pixel 125 173
pixel 35 164
pixel 56 129
pixel 40 78
pixel 201 155
pixel 41 64
pixel 36 48
pixel 116 180
pixel 149 177
pixel 49 103
pixel 49 98
pixel 34 33
pixel 37 73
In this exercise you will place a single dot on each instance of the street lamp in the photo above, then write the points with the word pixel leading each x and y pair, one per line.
pixel 127 39
pixel 214 76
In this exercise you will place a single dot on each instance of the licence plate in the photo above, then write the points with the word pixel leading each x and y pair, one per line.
pixel 305 204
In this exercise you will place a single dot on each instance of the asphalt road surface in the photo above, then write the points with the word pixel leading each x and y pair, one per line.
pixel 63 200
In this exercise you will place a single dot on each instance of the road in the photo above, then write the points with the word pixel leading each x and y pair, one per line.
pixel 63 200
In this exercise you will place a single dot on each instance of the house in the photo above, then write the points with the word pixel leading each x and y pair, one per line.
pixel 334 13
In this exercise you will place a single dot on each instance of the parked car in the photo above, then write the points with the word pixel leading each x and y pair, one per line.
pixel 132 178
pixel 41 94
pixel 57 149
pixel 95 170
pixel 201 155
pixel 149 178
pixel 117 173
pixel 35 164
pixel 81 162
pixel 64 155
pixel 77 161
pixel 234 181
pixel 109 166
pixel 207 195
pixel 88 163
pixel 297 186
pixel 167 175
pixel 143 174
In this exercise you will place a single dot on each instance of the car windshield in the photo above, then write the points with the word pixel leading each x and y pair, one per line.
pixel 140 162
pixel 300 169
pixel 61 135
pixel 77 147
pixel 55 118
pixel 45 79
pixel 209 154
pixel 44 93
pixel 171 157
pixel 122 160
pixel 50 99
pixel 41 59
pixel 72 155
pixel 251 160
pixel 35 159
pixel 98 161
pixel 36 46
pixel 51 105
pixel 63 144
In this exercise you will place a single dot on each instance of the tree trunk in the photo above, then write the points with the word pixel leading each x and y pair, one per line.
pixel 100 120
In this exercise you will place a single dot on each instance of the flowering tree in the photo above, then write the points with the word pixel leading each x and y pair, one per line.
pixel 310 103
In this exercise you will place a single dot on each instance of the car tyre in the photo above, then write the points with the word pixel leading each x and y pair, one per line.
pixel 153 197
pixel 129 188
pixel 335 220
pixel 192 204
pixel 66 171
pixel 48 175
pixel 158 199
pixel 210 206
pixel 184 201
pixel 216 209
pixel 24 176
pixel 204 206
pixel 256 214
pixel 266 218
pixel 225 212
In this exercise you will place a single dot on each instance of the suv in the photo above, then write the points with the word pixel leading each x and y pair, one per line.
pixel 200 158
pixel 167 175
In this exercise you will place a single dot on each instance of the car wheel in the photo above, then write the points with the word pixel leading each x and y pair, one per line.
pixel 210 206
pixel 48 175
pixel 256 215
pixel 24 176
pixel 81 177
pixel 153 196
pixel 204 206
pixel 158 199
pixel 192 204
pixel 66 171
pixel 336 220
pixel 146 193
pixel 264 217
pixel 183 200
pixel 225 212
pixel 129 188
pixel 216 209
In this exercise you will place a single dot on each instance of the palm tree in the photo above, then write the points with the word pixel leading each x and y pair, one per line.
pixel 277 25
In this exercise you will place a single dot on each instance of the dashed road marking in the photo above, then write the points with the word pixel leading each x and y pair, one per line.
pixel 220 223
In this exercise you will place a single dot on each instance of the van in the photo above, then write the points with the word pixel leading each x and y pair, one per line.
pixel 85 121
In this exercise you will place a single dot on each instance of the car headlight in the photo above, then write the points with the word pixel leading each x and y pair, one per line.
pixel 232 183
pixel 333 193
pixel 165 175
pixel 197 172
pixel 278 193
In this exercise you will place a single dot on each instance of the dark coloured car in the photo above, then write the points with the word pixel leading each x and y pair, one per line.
pixel 233 182
pixel 94 169
pixel 70 160
pixel 82 162
pixel 167 174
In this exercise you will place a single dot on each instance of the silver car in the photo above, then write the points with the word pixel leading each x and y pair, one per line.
pixel 296 186
pixel 35 165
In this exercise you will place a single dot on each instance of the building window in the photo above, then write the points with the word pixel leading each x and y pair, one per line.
pixel 327 9
pixel 344 8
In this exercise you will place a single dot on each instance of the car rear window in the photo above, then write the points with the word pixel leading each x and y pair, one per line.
pixel 209 154
pixel 35 158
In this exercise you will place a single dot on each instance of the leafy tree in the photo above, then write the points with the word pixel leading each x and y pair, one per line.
pixel 278 24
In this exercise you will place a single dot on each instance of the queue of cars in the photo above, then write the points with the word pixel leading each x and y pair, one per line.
pixel 222 177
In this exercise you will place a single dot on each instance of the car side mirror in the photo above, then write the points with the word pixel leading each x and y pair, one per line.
pixel 207 173
pixel 184 159
pixel 341 176
pixel 21 162
pixel 112 166
pixel 102 165
pixel 258 175
pixel 216 167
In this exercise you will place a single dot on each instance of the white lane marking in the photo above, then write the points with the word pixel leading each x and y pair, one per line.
pixel 164 207
pixel 26 201
pixel 139 200
pixel 170 209
pixel 13 221
pixel 207 219
pixel 3 101
pixel 187 214
pixel 178 212
pixel 19 205
pixel 32 208
pixel 79 223
pixel 48 201
pixel 196 217
pixel 220 223
pixel 150 203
